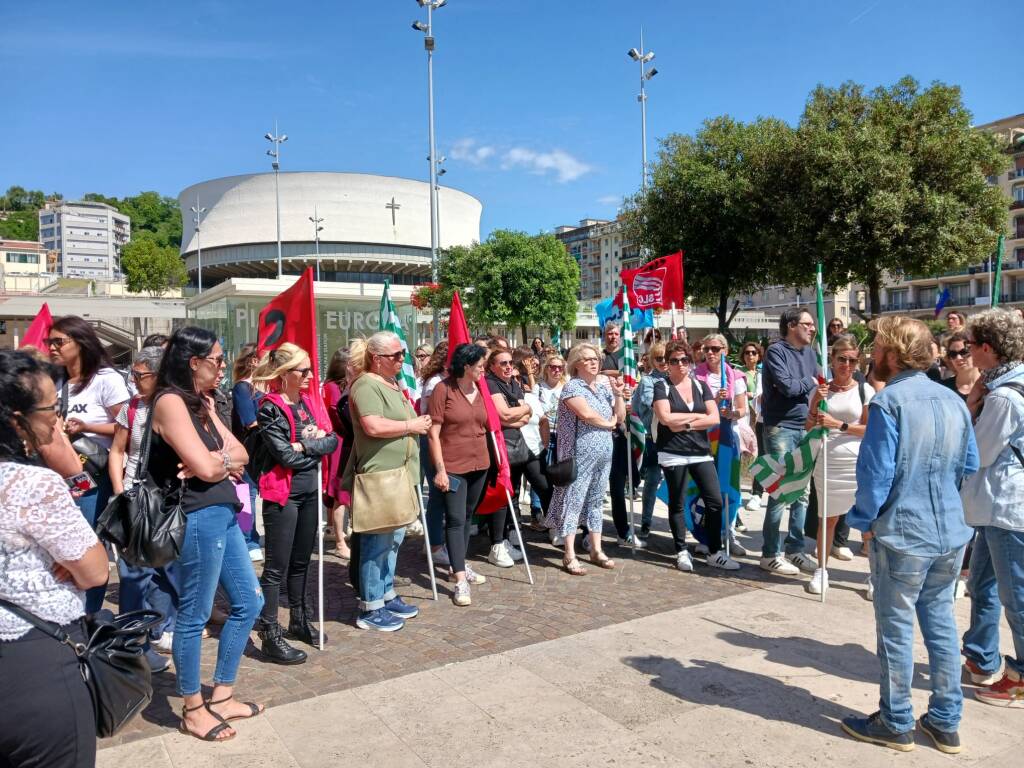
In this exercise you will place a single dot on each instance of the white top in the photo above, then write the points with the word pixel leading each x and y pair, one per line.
pixel 549 398
pixel 531 429
pixel 847 406
pixel 39 525
pixel 90 405
pixel 428 389
pixel 134 440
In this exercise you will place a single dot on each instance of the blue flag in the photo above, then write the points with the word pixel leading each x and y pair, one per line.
pixel 606 310
pixel 941 301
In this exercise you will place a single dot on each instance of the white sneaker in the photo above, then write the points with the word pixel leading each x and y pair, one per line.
pixel 256 555
pixel 684 562
pixel 803 562
pixel 499 556
pixel 753 504
pixel 556 540
pixel 818 582
pixel 164 644
pixel 870 593
pixel 960 590
pixel 415 528
pixel 701 549
pixel 641 543
pixel 513 551
pixel 462 596
pixel 723 561
pixel 779 565
pixel 473 577
pixel 842 553
pixel 736 549
pixel 441 556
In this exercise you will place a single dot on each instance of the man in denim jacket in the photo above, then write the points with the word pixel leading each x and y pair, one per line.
pixel 994 503
pixel 918 447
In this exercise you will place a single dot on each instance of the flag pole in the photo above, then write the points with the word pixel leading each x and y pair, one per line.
pixel 672 321
pixel 426 544
pixel 515 517
pixel 320 547
pixel 823 406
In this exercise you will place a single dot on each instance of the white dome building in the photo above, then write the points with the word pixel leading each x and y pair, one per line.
pixel 374 227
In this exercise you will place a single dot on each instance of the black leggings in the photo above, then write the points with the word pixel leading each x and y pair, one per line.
pixel 289 533
pixel 533 471
pixel 47 717
pixel 705 476
pixel 459 508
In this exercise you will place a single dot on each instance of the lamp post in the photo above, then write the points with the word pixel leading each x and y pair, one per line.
pixel 196 219
pixel 317 229
pixel 646 74
pixel 277 140
pixel 428 44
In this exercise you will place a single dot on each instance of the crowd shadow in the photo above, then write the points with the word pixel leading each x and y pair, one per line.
pixel 709 683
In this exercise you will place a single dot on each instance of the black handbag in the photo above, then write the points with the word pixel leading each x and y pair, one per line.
pixel 112 661
pixel 562 473
pixel 146 521
pixel 515 446
pixel 91 453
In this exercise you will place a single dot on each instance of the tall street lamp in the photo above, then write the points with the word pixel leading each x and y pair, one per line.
pixel 196 219
pixel 428 44
pixel 317 229
pixel 646 74
pixel 277 140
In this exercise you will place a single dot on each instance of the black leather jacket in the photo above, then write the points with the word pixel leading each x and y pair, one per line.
pixel 276 433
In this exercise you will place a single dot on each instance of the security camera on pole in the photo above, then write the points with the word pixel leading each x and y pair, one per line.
pixel 277 140
pixel 643 59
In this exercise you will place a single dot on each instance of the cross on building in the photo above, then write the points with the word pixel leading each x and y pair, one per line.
pixel 393 206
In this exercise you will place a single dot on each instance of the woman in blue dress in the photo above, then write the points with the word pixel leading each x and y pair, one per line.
pixel 590 409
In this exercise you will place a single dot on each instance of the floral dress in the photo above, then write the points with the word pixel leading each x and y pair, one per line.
pixel 582 499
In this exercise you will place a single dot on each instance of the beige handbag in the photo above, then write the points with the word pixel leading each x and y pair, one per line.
pixel 386 500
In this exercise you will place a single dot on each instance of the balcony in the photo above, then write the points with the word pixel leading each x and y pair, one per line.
pixel 1017 173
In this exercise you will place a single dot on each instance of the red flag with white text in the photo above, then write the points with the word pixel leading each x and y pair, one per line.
pixel 39 331
pixel 495 495
pixel 291 317
pixel 658 283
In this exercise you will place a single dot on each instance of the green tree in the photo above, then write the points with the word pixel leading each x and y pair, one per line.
pixel 20 225
pixel 154 216
pixel 891 181
pixel 714 196
pixel 152 268
pixel 514 278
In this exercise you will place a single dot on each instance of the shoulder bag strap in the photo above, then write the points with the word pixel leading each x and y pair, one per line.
pixel 45 627
pixel 64 398
pixel 142 466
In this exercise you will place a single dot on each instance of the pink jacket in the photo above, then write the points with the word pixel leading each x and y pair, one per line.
pixel 276 485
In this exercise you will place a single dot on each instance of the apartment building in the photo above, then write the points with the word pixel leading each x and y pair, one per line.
pixel 87 237
pixel 602 252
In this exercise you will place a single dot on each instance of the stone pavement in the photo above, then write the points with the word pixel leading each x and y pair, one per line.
pixel 642 665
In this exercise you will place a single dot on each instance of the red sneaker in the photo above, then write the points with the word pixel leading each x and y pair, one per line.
pixel 1007 692
pixel 977 676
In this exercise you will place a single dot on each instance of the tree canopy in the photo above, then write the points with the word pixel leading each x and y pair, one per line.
pixel 514 278
pixel 152 268
pixel 154 216
pixel 18 217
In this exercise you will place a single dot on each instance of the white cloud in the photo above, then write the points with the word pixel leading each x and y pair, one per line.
pixel 609 200
pixel 470 152
pixel 562 164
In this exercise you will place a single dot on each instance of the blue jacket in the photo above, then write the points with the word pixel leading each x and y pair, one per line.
pixel 917 448
pixel 788 376
pixel 643 398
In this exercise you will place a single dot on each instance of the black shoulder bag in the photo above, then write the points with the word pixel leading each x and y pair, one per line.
pixel 111 661
pixel 91 452
pixel 564 472
pixel 146 521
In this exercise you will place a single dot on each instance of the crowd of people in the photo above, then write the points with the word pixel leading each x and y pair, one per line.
pixel 924 456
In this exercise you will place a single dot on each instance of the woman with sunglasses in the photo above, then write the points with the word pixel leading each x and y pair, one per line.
pixel 92 393
pixel 421 356
pixel 836 328
pixel 295 442
pixel 751 356
pixel 192 450
pixel 958 359
pixel 685 410
pixel 846 419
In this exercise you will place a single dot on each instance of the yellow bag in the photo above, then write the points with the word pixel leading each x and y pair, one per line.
pixel 386 500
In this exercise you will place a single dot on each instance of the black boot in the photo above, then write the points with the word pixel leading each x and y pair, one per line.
pixel 274 646
pixel 302 629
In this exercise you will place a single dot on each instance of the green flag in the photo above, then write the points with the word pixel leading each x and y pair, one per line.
pixel 389 322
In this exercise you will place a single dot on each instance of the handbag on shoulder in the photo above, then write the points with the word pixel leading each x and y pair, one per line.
pixel 146 521
pixel 386 500
pixel 93 455
pixel 562 473
pixel 111 660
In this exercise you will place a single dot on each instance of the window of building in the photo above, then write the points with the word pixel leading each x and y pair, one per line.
pixel 960 293
pixel 1018 224
pixel 22 258
pixel 1018 193
pixel 898 297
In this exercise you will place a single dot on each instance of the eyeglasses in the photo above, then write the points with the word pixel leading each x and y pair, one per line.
pixel 589 360
pixel 56 341
pixel 749 351
pixel 835 325
pixel 807 325
pixel 556 367
pixel 395 356
pixel 847 360
pixel 503 363
pixel 660 359
pixel 140 375
pixel 422 356
pixel 965 352
pixel 43 408
pixel 303 372
pixel 218 360
pixel 713 350
pixel 679 361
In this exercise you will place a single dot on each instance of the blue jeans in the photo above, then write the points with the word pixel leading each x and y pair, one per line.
pixel 996 582
pixel 651 473
pixel 212 553
pixel 91 504
pixel 781 440
pixel 378 555
pixel 905 585
pixel 435 499
pixel 252 536
pixel 154 588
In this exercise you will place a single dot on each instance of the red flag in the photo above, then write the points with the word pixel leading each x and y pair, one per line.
pixel 495 495
pixel 291 317
pixel 658 283
pixel 39 331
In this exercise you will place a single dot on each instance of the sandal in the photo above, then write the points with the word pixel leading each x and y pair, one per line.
pixel 210 735
pixel 254 710
pixel 573 567
pixel 601 560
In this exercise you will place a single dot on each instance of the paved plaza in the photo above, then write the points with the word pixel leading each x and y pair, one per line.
pixel 639 666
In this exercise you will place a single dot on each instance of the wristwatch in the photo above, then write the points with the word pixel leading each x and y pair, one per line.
pixel 843 427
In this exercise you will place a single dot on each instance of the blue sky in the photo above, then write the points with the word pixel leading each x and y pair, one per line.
pixel 536 99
